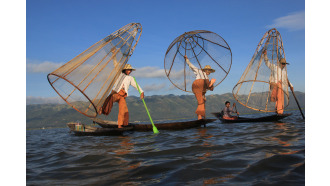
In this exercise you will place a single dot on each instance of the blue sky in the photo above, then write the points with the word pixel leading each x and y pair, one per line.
pixel 41 34
pixel 57 31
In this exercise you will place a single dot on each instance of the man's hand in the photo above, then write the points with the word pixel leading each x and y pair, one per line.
pixel 185 56
pixel 264 52
pixel 234 104
pixel 142 95
pixel 212 82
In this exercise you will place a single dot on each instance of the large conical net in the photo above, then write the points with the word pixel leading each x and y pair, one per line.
pixel 264 77
pixel 86 80
pixel 202 48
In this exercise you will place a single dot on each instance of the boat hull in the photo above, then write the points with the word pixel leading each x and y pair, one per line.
pixel 274 117
pixel 160 126
pixel 85 130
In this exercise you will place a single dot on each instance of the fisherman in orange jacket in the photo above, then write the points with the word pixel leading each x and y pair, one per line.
pixel 119 94
pixel 278 80
pixel 201 85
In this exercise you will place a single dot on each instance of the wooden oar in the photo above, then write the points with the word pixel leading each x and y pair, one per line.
pixel 154 128
pixel 236 111
pixel 296 101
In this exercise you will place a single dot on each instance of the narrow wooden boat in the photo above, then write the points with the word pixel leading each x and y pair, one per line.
pixel 240 119
pixel 160 126
pixel 85 130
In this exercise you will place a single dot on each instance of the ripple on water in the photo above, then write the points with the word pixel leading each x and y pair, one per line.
pixel 229 154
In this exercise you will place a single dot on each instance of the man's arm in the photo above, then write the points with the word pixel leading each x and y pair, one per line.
pixel 114 58
pixel 133 83
pixel 192 67
pixel 268 64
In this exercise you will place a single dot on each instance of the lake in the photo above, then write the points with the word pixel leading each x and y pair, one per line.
pixel 268 153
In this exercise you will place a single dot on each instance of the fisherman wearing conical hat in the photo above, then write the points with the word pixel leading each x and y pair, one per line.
pixel 119 93
pixel 201 85
pixel 277 79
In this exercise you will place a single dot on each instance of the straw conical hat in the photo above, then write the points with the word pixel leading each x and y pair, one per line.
pixel 208 67
pixel 283 61
pixel 128 67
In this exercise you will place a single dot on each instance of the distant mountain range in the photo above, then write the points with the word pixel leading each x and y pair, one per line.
pixel 168 107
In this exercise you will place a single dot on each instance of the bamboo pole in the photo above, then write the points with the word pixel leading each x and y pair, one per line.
pixel 294 95
pixel 254 81
pixel 251 62
pixel 112 82
pixel 214 43
pixel 184 71
pixel 211 56
pixel 174 58
pixel 197 60
pixel 112 56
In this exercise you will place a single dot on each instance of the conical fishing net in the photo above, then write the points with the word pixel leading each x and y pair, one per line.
pixel 265 77
pixel 202 48
pixel 86 80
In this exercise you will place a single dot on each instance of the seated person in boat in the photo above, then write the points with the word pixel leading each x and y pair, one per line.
pixel 201 85
pixel 119 94
pixel 227 111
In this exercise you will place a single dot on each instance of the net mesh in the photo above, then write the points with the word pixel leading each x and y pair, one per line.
pixel 202 48
pixel 264 77
pixel 86 80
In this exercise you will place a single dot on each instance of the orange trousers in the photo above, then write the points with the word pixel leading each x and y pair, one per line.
pixel 277 96
pixel 199 88
pixel 123 116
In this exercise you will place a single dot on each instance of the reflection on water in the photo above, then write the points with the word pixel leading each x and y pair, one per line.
pixel 217 180
pixel 285 136
pixel 207 142
pixel 219 154
pixel 125 146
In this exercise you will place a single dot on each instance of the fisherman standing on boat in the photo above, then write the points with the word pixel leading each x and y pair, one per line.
pixel 119 93
pixel 278 80
pixel 201 85
pixel 227 111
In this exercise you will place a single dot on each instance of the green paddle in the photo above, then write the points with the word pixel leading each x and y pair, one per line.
pixel 154 128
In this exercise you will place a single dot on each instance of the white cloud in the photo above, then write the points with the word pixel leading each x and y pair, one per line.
pixel 154 87
pixel 149 72
pixel 43 100
pixel 144 72
pixel 44 67
pixel 155 72
pixel 292 22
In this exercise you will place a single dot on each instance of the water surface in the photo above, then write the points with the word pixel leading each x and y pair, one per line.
pixel 269 153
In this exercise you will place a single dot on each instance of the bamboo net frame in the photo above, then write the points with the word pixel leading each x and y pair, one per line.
pixel 85 81
pixel 202 48
pixel 263 75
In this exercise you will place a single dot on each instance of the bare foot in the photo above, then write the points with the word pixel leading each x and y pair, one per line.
pixel 100 111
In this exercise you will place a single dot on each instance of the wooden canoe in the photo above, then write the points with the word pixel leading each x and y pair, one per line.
pixel 160 126
pixel 85 130
pixel 274 117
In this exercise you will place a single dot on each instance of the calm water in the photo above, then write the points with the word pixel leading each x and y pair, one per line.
pixel 270 153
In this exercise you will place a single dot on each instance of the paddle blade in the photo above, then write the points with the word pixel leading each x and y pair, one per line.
pixel 155 130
